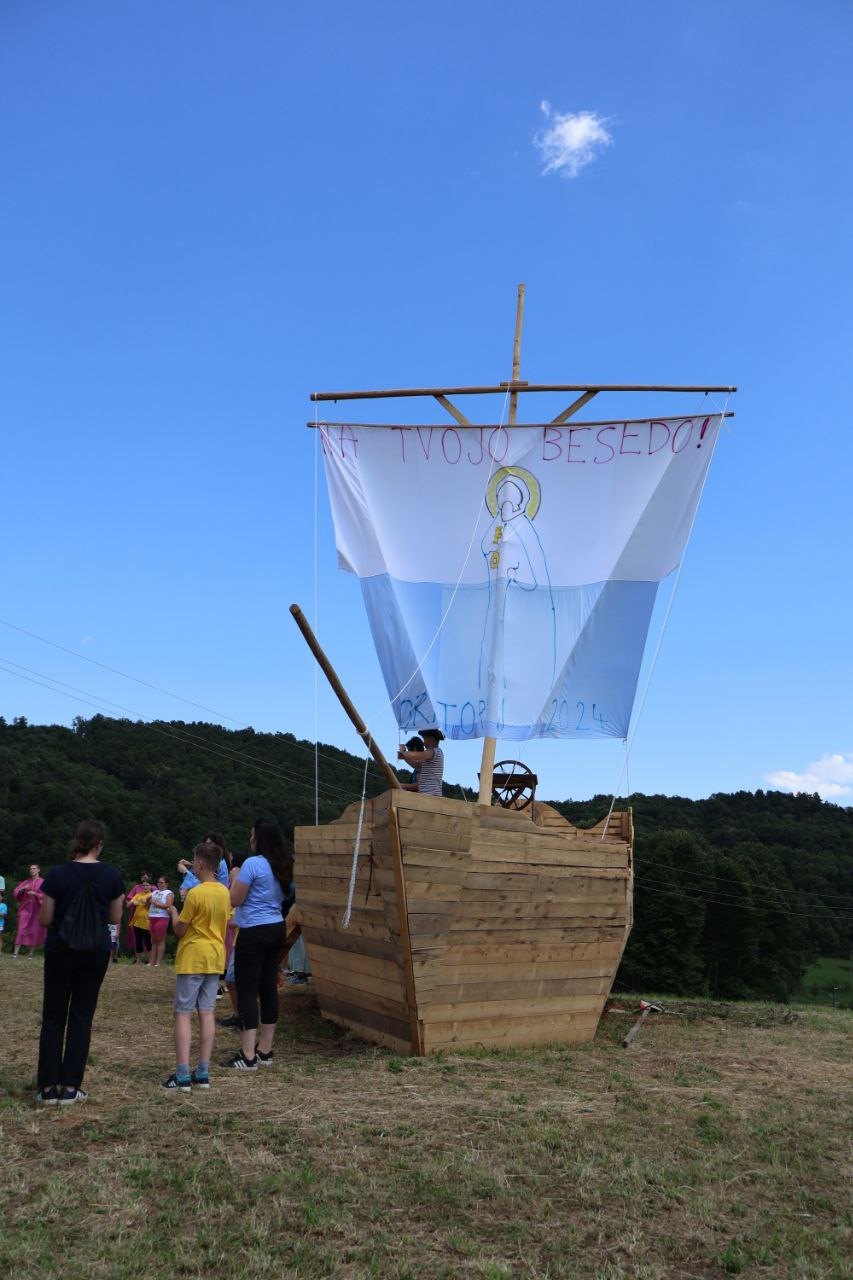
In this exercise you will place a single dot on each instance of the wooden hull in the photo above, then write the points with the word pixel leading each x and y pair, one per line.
pixel 470 925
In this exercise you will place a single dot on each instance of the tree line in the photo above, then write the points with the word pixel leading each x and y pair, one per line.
pixel 734 895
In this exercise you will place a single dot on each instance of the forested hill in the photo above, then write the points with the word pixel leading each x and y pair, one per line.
pixel 734 894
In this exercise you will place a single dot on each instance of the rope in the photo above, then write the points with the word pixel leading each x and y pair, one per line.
pixel 629 741
pixel 316 614
pixel 354 872
pixel 390 702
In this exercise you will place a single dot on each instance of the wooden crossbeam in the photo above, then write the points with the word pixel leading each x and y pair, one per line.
pixel 452 410
pixel 575 405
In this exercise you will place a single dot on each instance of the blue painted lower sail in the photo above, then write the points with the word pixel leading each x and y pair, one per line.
pixel 554 662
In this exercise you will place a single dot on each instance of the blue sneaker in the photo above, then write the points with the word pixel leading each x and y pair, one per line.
pixel 181 1084
pixel 200 1080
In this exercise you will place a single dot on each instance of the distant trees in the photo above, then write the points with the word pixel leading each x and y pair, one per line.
pixel 734 895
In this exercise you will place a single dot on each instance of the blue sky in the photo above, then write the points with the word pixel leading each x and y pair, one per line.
pixel 210 210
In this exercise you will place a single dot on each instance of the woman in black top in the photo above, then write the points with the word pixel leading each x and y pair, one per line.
pixel 72 979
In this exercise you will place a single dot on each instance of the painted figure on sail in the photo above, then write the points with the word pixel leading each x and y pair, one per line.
pixel 520 624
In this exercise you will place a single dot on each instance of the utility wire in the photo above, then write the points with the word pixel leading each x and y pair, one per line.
pixel 243 724
pixel 192 739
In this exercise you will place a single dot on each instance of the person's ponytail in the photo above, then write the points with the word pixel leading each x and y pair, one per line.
pixel 88 836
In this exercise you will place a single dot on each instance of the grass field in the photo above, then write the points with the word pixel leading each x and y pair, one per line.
pixel 717 1145
pixel 824 974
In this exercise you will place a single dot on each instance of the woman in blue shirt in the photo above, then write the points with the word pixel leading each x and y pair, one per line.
pixel 262 885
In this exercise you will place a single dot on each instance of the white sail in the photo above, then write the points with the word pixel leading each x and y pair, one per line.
pixel 509 575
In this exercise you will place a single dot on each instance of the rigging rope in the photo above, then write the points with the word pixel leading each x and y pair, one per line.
pixel 629 740
pixel 354 871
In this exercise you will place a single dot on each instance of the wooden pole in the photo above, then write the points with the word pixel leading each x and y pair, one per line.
pixel 400 393
pixel 487 764
pixel 343 697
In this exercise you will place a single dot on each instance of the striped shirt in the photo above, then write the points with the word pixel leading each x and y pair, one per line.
pixel 430 774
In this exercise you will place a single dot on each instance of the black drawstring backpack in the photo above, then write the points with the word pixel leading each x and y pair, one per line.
pixel 82 927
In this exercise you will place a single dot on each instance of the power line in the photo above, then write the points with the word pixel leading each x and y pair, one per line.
pixel 243 724
pixel 193 739
pixel 663 890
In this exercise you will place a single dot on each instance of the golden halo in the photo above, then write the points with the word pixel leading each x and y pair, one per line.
pixel 528 479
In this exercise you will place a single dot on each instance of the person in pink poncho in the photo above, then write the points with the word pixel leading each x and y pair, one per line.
pixel 28 896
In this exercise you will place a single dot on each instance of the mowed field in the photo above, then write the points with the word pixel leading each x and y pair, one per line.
pixel 717 1145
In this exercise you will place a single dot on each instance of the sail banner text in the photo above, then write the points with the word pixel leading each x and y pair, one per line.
pixel 509 574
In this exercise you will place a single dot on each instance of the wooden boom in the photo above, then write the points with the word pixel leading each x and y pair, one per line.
pixel 343 697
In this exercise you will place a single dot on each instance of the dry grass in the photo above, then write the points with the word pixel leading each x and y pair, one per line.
pixel 715 1146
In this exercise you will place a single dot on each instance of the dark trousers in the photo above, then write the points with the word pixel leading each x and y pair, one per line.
pixel 141 939
pixel 256 956
pixel 72 980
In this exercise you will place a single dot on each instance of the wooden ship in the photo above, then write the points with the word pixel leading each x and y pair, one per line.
pixel 493 923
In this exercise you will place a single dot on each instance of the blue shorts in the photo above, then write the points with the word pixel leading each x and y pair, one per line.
pixel 195 991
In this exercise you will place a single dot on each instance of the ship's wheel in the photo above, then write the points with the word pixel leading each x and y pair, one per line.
pixel 513 785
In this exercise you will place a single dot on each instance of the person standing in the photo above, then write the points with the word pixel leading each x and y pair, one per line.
pixel 137 903
pixel 158 919
pixel 429 763
pixel 4 911
pixel 84 892
pixel 261 886
pixel 199 961
pixel 28 896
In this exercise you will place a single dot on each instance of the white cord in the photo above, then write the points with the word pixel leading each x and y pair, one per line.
pixel 390 702
pixel 629 741
pixel 316 612
pixel 354 872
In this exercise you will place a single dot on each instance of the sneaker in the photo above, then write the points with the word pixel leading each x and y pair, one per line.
pixel 49 1095
pixel 239 1063
pixel 68 1097
pixel 264 1059
pixel 183 1084
pixel 200 1079
pixel 233 1021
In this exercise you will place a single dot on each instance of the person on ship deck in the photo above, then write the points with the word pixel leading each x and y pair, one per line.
pixel 429 763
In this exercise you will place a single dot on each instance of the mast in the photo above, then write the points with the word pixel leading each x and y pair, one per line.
pixel 487 764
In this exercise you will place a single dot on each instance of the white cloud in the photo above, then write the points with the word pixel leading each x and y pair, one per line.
pixel 831 777
pixel 571 141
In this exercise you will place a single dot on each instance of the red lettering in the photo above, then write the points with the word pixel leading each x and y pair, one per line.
pixel 454 435
pixel 663 426
pixel 498 431
pixel 348 436
pixel 402 431
pixel 572 444
pixel 475 462
pixel 628 435
pixel 688 423
pixel 426 447
pixel 599 434
pixel 554 443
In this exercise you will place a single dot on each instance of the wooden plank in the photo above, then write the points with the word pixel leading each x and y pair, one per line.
pixel 361 1032
pixel 335 974
pixel 471 1010
pixel 544 880
pixel 452 410
pixel 356 962
pixel 440 994
pixel 527 953
pixel 404 926
pixel 510 1033
pixel 468 932
pixel 575 406
pixel 504 974
pixel 367 1019
pixel 364 924
pixel 347 942
pixel 356 996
